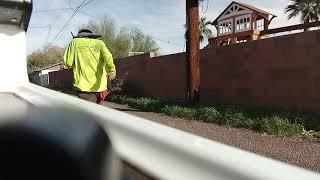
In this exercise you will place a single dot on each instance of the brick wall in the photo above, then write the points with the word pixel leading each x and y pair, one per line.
pixel 145 75
pixel 278 72
pixel 61 79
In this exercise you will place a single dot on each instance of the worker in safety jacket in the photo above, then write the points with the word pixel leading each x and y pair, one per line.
pixel 92 65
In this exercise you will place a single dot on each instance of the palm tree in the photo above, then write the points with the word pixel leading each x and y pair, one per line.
pixel 205 32
pixel 307 9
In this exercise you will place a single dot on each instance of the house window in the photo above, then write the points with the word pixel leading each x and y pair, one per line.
pixel 226 27
pixel 260 25
pixel 243 23
pixel 248 23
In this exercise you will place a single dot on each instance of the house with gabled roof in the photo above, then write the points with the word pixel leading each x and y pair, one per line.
pixel 240 22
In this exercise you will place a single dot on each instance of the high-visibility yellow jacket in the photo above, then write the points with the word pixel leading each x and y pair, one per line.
pixel 91 62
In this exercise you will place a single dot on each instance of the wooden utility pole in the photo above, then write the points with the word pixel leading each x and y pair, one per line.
pixel 192 52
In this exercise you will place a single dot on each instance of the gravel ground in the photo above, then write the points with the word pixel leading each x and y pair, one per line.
pixel 295 151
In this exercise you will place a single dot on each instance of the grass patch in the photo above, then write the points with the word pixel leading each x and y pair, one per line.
pixel 178 111
pixel 278 125
pixel 144 104
pixel 207 114
pixel 261 120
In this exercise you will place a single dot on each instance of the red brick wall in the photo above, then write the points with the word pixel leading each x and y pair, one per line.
pixel 62 78
pixel 154 76
pixel 278 72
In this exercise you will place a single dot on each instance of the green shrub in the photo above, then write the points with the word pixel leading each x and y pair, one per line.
pixel 208 114
pixel 278 125
pixel 244 122
pixel 311 134
pixel 118 99
pixel 178 111
pixel 232 119
pixel 145 104
pixel 141 103
pixel 234 116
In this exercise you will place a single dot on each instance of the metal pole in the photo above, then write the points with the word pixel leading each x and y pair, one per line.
pixel 192 52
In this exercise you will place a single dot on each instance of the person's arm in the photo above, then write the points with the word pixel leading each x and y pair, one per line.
pixel 68 57
pixel 107 56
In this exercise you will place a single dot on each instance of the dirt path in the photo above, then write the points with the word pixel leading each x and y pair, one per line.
pixel 294 151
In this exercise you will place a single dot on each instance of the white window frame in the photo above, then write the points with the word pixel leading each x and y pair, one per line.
pixel 223 30
pixel 244 25
pixel 260 25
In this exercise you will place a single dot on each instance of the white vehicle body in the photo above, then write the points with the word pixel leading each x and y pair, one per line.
pixel 160 151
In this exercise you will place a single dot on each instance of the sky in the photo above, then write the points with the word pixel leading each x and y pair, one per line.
pixel 162 19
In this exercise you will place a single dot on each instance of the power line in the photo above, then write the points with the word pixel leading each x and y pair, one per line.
pixel 129 29
pixel 39 27
pixel 51 10
pixel 87 3
pixel 67 23
pixel 167 41
pixel 61 9
pixel 82 5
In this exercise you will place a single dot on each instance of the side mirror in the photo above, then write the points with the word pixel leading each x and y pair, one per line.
pixel 16 12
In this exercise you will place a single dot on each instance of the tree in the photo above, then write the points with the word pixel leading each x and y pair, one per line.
pixel 121 41
pixel 142 42
pixel 44 57
pixel 205 32
pixel 308 10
